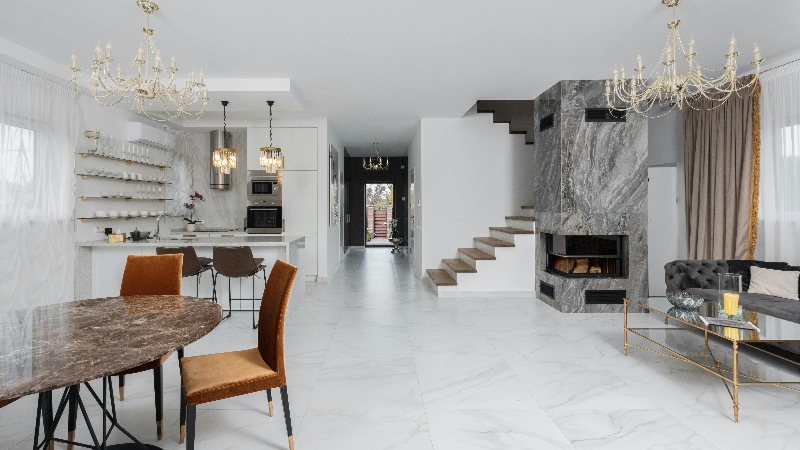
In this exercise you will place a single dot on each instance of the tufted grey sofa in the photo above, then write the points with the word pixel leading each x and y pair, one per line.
pixel 700 277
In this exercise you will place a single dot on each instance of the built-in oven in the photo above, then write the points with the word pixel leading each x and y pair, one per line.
pixel 264 219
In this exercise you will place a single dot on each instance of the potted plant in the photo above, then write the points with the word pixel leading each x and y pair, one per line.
pixel 191 221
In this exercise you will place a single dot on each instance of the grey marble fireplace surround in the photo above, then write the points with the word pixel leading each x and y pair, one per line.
pixel 590 179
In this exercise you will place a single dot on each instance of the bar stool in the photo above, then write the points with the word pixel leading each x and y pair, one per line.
pixel 193 266
pixel 238 262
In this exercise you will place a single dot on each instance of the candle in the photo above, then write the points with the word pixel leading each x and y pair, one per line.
pixel 757 55
pixel 108 50
pixel 731 333
pixel 74 63
pixel 200 80
pixel 691 47
pixel 608 87
pixel 192 74
pixel 616 77
pixel 623 73
pixel 173 63
pixel 639 63
pixel 633 81
pixel 731 303
pixel 732 48
pixel 97 54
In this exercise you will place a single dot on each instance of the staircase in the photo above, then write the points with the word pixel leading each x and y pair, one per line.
pixel 501 264
pixel 381 223
pixel 518 114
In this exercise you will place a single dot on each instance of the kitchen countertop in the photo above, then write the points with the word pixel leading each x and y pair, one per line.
pixel 253 240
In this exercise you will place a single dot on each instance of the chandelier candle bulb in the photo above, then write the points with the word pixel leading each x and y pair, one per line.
pixel 173 63
pixel 608 87
pixel 732 48
pixel 639 63
pixel 623 73
pixel 108 50
pixel 74 63
pixel 616 77
pixel 97 54
pixel 691 47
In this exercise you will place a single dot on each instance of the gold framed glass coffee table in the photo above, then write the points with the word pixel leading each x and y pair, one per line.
pixel 769 356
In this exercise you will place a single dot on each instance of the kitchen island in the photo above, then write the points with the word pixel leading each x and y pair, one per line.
pixel 99 266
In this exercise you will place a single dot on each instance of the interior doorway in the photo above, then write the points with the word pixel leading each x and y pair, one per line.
pixel 379 212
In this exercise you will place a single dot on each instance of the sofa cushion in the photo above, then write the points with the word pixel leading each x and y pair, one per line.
pixel 795 269
pixel 779 283
pixel 681 275
pixel 742 267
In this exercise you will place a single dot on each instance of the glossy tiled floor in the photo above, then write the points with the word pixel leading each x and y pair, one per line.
pixel 376 361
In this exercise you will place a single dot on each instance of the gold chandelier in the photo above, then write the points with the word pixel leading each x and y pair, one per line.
pixel 675 86
pixel 375 162
pixel 224 158
pixel 152 87
pixel 271 158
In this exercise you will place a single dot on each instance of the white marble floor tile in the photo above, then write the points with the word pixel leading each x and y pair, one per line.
pixel 610 429
pixel 372 316
pixel 338 429
pixel 369 342
pixel 577 383
pixel 495 429
pixel 770 428
pixel 446 340
pixel 367 383
pixel 515 343
pixel 470 382
pixel 436 314
pixel 315 315
pixel 307 342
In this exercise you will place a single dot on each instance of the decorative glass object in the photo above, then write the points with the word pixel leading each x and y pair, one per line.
pixel 729 283
pixel 684 300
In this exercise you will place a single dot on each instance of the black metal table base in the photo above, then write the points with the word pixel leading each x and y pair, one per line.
pixel 72 402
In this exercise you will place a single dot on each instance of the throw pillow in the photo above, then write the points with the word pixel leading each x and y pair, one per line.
pixel 795 269
pixel 742 267
pixel 777 283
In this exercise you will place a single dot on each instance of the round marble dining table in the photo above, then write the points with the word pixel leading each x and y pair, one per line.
pixel 60 345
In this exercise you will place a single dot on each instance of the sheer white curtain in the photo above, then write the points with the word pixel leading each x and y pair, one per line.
pixel 780 163
pixel 39 123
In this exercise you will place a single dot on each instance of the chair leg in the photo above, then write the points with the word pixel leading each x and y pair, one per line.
pixel 285 399
pixel 213 286
pixel 230 302
pixel 269 399
pixel 158 386
pixel 180 355
pixel 121 387
pixel 255 325
pixel 72 418
pixel 183 414
pixel 197 290
pixel 191 413
pixel 47 416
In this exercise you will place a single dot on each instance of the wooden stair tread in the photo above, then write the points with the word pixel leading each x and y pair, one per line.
pixel 521 218
pixel 510 230
pixel 440 277
pixel 459 266
pixel 492 242
pixel 476 254
pixel 527 207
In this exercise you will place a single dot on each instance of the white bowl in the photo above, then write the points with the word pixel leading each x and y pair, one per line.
pixel 113 214
pixel 124 213
pixel 100 214
pixel 89 169
pixel 144 213
pixel 133 213
pixel 153 214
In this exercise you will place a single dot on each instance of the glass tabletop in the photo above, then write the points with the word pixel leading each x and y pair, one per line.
pixel 771 328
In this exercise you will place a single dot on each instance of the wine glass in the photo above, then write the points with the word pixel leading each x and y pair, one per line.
pixel 147 155
pixel 111 143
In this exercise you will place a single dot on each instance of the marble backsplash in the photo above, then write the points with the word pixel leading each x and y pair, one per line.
pixel 221 208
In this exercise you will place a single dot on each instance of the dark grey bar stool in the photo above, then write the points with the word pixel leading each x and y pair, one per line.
pixel 193 266
pixel 238 262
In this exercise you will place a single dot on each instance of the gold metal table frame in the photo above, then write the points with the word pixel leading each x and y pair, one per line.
pixel 733 376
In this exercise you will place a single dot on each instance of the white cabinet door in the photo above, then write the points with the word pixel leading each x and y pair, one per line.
pixel 300 201
pixel 662 230
pixel 298 145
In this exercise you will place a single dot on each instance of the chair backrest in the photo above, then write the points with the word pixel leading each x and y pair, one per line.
pixel 152 275
pixel 272 315
pixel 191 265
pixel 234 262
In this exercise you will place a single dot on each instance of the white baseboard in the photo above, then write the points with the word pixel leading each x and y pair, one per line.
pixel 442 293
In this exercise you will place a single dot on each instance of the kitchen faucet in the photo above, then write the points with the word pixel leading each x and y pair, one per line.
pixel 157 236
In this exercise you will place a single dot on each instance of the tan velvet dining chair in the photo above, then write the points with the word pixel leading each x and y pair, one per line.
pixel 152 275
pixel 218 376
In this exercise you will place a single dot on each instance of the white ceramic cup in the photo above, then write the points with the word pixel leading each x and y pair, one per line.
pixel 133 213
pixel 139 177
pixel 100 214
pixel 124 213
pixel 144 213
pixel 113 214
pixel 89 169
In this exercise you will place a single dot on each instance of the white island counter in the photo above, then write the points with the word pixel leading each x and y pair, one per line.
pixel 99 265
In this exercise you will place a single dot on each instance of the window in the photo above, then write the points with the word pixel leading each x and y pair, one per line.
pixel 790 165
pixel 17 165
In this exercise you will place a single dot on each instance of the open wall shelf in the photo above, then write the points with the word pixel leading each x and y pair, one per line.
pixel 84 175
pixel 127 199
pixel 128 162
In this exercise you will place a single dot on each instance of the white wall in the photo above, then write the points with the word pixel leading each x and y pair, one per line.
pixel 415 164
pixel 476 173
pixel 335 244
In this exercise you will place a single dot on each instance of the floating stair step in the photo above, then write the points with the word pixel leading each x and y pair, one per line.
pixel 476 254
pixel 492 242
pixel 523 218
pixel 459 266
pixel 527 207
pixel 440 277
pixel 510 230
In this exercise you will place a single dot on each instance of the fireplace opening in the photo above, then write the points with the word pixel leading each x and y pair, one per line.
pixel 587 256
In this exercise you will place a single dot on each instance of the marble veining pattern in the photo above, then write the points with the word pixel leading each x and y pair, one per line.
pixel 59 345
pixel 475 379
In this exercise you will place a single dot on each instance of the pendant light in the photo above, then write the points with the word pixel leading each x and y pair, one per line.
pixel 224 157
pixel 375 162
pixel 271 157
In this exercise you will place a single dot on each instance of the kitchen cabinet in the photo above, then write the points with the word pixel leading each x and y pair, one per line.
pixel 300 211
pixel 298 145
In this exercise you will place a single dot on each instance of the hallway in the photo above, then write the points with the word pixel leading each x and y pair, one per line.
pixel 376 361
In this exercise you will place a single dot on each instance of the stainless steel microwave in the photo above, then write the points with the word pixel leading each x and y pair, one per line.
pixel 263 190
pixel 264 220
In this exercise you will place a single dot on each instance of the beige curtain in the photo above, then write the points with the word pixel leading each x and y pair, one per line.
pixel 719 177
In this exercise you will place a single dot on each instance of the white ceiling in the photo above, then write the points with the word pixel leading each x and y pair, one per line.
pixel 374 68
